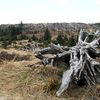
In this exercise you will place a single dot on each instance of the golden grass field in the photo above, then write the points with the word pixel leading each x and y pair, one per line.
pixel 30 80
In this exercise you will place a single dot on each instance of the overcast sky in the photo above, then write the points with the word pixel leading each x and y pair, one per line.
pixel 49 11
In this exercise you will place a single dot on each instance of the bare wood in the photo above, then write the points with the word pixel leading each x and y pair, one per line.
pixel 81 59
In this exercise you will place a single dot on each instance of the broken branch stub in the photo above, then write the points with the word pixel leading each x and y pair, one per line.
pixel 81 59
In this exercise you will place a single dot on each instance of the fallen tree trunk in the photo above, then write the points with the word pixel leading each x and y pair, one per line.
pixel 81 59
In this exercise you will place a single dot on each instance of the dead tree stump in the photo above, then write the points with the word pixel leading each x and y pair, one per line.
pixel 81 59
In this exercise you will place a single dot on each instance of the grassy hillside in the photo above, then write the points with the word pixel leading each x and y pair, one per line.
pixel 28 79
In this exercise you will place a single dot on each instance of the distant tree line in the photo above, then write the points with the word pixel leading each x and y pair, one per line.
pixel 11 33
pixel 61 39
pixel 14 32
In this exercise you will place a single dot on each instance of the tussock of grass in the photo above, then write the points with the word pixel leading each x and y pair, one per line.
pixel 50 71
pixel 52 84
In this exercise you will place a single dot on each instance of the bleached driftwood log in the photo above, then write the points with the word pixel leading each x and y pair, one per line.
pixel 81 59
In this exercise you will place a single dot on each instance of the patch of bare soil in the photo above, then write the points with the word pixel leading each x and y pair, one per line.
pixel 8 56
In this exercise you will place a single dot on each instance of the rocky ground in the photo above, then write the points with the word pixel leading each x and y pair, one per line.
pixel 28 79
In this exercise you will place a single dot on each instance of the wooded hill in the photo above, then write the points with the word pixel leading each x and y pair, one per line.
pixel 55 28
pixel 45 32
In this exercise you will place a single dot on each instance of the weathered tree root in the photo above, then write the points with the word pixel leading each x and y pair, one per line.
pixel 81 59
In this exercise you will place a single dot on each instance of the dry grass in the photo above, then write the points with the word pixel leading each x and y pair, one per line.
pixel 21 81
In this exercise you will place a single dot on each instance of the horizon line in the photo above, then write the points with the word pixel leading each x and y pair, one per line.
pixel 47 23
